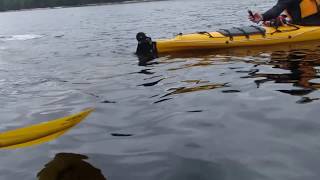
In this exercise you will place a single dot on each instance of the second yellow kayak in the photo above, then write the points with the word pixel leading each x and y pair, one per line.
pixel 40 133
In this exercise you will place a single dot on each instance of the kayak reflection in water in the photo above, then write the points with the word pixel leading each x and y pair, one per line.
pixel 68 166
pixel 301 66
pixel 300 12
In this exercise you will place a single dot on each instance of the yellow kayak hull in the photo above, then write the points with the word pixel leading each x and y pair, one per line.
pixel 216 40
pixel 40 133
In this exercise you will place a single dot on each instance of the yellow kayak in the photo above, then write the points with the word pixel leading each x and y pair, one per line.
pixel 40 133
pixel 227 38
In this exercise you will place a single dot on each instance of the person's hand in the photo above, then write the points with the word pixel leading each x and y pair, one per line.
pixel 256 18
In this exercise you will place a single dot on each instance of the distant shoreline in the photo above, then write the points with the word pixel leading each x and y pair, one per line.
pixel 79 5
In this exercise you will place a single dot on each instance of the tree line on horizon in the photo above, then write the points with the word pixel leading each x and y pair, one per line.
pixel 6 5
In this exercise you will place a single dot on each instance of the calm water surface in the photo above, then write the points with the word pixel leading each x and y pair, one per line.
pixel 234 115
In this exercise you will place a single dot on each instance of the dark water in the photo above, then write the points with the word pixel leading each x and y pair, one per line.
pixel 225 115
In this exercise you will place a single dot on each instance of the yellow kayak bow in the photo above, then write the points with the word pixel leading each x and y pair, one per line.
pixel 40 133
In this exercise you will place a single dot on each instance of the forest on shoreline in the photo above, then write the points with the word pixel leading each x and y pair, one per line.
pixel 6 5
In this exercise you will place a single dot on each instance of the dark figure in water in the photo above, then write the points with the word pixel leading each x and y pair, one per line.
pixel 146 50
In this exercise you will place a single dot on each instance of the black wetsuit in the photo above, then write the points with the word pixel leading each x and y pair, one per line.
pixel 293 8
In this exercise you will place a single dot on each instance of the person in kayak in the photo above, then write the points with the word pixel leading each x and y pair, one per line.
pixel 301 12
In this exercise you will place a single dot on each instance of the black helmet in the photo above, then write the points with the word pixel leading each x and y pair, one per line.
pixel 141 36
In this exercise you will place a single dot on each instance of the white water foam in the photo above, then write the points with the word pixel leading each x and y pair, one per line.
pixel 20 37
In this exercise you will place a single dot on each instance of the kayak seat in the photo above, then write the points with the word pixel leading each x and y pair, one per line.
pixel 242 31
